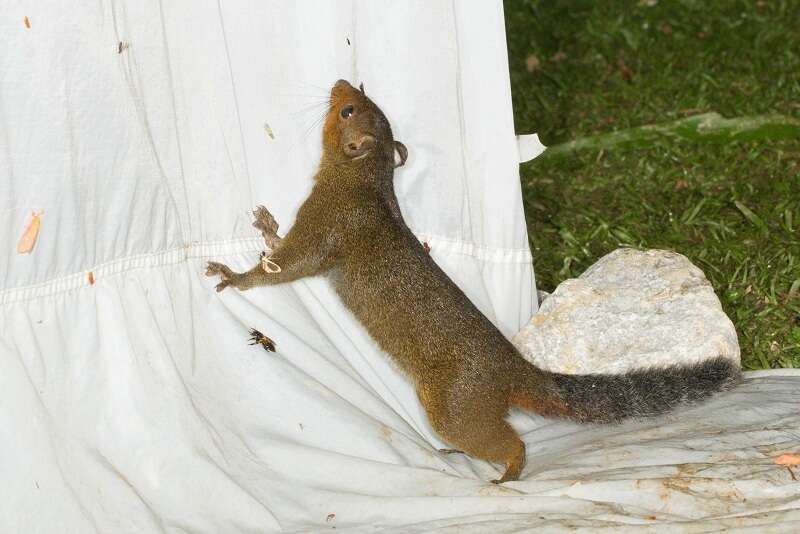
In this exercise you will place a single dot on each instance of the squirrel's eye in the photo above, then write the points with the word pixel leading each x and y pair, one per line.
pixel 346 112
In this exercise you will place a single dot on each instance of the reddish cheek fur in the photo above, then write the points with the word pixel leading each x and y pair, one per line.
pixel 330 133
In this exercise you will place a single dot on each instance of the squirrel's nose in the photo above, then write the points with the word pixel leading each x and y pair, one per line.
pixel 341 84
pixel 341 87
pixel 360 146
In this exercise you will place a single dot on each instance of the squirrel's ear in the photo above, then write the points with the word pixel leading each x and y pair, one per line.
pixel 400 154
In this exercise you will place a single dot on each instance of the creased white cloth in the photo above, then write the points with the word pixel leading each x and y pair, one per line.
pixel 131 401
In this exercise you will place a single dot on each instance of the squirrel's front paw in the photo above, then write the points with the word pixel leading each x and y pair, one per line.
pixel 268 226
pixel 226 275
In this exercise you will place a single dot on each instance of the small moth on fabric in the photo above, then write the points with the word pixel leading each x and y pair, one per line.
pixel 28 240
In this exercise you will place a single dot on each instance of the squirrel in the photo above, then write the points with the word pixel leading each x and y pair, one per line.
pixel 466 373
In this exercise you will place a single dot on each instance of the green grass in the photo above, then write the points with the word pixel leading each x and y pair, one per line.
pixel 733 209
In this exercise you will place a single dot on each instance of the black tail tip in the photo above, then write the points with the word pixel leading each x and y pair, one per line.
pixel 718 374
pixel 647 392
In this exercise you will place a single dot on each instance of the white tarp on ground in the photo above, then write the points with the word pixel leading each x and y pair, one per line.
pixel 146 132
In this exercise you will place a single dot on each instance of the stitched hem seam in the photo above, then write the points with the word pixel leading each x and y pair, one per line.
pixel 229 247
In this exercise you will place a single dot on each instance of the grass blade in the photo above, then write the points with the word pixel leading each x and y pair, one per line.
pixel 751 216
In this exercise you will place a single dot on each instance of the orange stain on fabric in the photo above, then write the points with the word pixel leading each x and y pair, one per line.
pixel 27 22
pixel 28 240
pixel 788 459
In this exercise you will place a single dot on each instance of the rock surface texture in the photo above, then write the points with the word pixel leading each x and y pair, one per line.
pixel 632 309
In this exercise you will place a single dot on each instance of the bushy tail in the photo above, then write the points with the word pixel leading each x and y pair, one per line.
pixel 611 398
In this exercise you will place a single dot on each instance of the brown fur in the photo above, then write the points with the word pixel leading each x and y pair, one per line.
pixel 467 374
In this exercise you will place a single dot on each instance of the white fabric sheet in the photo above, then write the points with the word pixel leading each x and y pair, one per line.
pixel 131 401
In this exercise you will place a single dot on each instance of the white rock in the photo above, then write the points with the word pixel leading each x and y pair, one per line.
pixel 630 310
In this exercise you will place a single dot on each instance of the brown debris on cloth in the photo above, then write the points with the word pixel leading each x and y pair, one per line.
pixel 31 234
pixel 257 338
pixel 330 517
pixel 122 46
pixel 788 459
pixel 27 22
pixel 90 277
pixel 427 247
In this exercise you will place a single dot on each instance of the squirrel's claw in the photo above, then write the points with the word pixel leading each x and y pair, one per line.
pixel 213 268
pixel 267 225
pixel 222 285
pixel 264 220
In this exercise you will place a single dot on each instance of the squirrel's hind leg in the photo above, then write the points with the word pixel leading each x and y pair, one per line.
pixel 494 441
pixel 487 436
pixel 502 445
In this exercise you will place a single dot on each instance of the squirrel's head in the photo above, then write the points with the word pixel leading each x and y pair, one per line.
pixel 356 129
